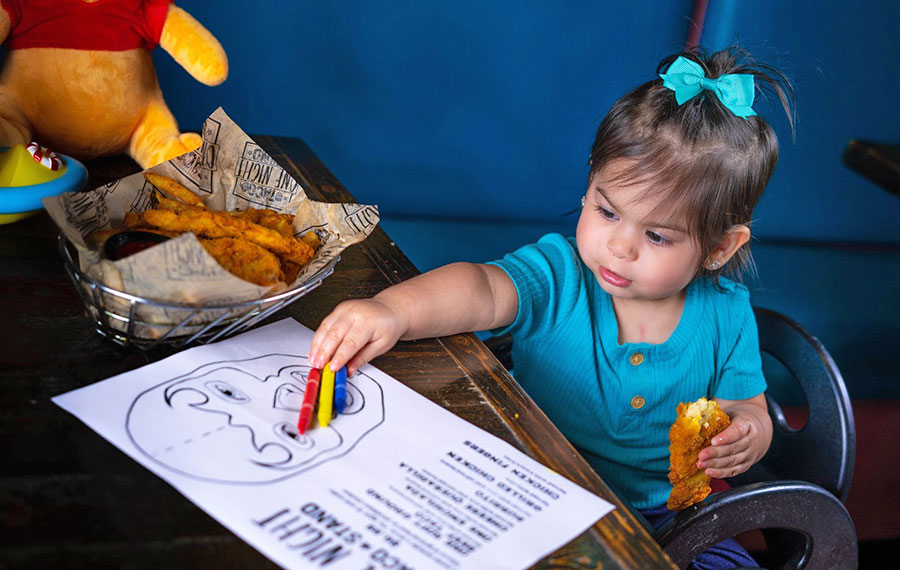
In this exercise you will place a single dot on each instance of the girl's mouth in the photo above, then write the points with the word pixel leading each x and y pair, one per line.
pixel 613 278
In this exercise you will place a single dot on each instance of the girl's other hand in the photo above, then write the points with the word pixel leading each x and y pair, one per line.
pixel 729 453
pixel 354 333
pixel 741 444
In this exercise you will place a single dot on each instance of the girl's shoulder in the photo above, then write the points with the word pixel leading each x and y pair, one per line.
pixel 728 300
pixel 725 291
pixel 560 242
pixel 551 262
pixel 552 248
pixel 727 310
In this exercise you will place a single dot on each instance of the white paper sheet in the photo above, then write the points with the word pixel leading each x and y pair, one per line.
pixel 394 482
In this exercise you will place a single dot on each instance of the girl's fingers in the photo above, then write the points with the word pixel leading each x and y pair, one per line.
pixel 328 339
pixel 726 472
pixel 354 333
pixel 350 345
pixel 367 353
pixel 729 466
pixel 354 365
pixel 726 465
pixel 735 432
pixel 315 347
pixel 724 454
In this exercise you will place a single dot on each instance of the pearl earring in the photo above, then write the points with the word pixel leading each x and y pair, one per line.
pixel 582 201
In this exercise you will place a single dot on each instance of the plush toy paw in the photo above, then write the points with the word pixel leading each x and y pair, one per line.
pixel 191 141
pixel 157 139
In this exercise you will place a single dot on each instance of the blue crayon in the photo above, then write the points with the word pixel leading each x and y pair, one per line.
pixel 340 389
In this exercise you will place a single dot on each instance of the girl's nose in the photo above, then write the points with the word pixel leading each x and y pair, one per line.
pixel 621 246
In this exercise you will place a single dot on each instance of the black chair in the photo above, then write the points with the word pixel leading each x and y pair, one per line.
pixel 795 494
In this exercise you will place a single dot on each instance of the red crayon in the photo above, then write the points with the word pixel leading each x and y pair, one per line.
pixel 309 399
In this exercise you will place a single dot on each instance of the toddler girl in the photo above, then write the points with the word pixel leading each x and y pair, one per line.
pixel 616 326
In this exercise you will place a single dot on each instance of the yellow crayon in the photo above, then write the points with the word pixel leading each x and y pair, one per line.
pixel 326 395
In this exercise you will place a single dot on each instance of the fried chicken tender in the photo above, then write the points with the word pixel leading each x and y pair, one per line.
pixel 164 203
pixel 209 224
pixel 133 220
pixel 311 239
pixel 282 223
pixel 291 270
pixel 174 188
pixel 697 423
pixel 245 259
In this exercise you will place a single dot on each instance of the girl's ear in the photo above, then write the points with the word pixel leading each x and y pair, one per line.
pixel 732 241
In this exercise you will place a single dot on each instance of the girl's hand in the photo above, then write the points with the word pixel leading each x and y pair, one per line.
pixel 741 444
pixel 354 333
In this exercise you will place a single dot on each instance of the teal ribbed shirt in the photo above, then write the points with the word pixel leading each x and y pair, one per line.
pixel 614 406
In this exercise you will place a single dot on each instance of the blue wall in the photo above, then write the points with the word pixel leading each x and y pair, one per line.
pixel 477 109
pixel 844 58
pixel 468 108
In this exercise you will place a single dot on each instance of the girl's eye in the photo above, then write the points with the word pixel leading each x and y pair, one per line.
pixel 657 239
pixel 605 213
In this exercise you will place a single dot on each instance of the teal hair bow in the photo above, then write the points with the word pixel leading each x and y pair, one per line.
pixel 687 80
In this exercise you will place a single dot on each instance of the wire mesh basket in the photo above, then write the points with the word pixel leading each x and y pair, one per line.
pixel 120 316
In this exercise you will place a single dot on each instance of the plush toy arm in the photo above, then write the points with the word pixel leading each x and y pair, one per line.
pixel 5 23
pixel 194 47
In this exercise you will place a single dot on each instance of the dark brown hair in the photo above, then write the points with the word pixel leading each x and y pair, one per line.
pixel 705 162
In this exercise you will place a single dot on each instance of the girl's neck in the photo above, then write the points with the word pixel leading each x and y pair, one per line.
pixel 650 321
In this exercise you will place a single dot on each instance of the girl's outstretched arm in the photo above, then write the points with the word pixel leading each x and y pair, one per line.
pixel 741 444
pixel 460 297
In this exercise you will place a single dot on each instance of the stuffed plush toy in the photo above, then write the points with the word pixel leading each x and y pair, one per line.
pixel 79 76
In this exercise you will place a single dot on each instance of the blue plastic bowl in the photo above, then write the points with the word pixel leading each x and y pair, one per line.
pixel 18 202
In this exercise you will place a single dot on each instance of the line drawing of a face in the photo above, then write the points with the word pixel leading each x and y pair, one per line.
pixel 236 421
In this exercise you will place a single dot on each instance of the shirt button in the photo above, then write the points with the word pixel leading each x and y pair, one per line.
pixel 638 402
pixel 636 359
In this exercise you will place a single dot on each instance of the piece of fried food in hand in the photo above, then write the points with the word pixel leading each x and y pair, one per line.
pixel 209 224
pixel 174 188
pixel 693 430
pixel 245 259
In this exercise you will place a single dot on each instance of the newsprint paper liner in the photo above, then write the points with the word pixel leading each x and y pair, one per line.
pixel 229 172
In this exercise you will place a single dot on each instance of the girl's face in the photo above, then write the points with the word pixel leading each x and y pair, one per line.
pixel 634 253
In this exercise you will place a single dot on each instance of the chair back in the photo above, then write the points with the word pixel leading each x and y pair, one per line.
pixel 823 450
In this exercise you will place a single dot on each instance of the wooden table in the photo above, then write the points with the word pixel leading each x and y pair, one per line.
pixel 69 499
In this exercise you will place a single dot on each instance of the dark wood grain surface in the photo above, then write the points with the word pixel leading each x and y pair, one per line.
pixel 69 499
